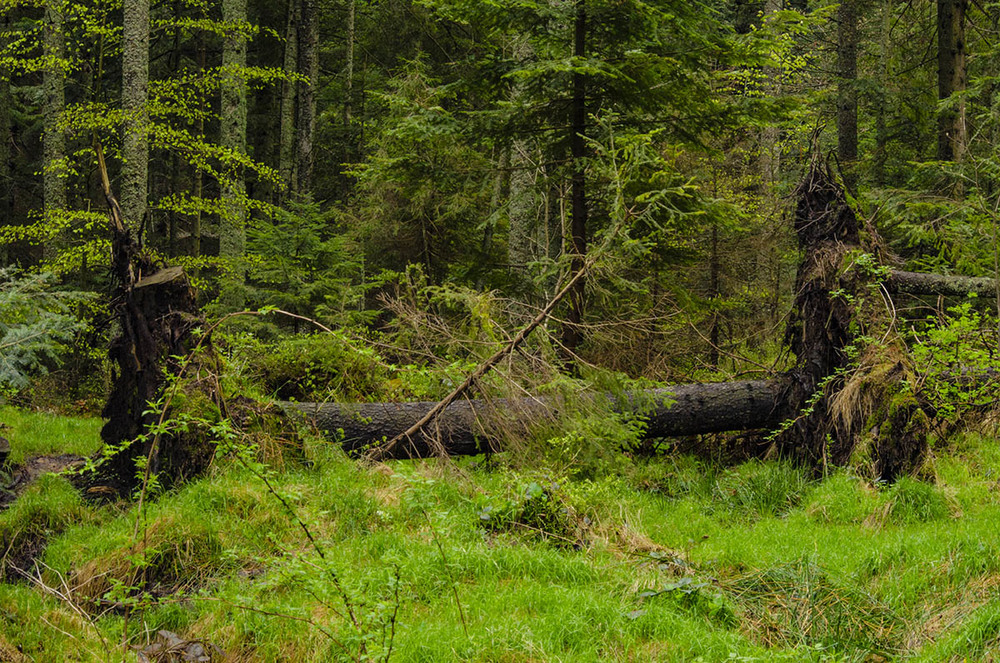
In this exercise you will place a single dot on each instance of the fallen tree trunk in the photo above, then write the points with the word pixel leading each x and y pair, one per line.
pixel 464 427
pixel 915 283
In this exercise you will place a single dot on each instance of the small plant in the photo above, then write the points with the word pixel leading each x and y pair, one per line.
pixel 954 355
pixel 538 508
pixel 760 489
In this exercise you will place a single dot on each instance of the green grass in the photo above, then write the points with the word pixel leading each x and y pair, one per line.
pixel 39 434
pixel 670 561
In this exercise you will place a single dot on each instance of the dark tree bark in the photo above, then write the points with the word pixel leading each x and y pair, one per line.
pixel 157 312
pixel 54 87
pixel 308 66
pixel 286 146
pixel 572 334
pixel 820 326
pixel 951 78
pixel 6 181
pixel 233 136
pixel 847 90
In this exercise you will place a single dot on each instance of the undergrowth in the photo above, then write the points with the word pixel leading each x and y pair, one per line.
pixel 666 558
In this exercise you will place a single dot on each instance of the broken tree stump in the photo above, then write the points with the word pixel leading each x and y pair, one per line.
pixel 156 312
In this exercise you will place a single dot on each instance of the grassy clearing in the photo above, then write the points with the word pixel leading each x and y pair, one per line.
pixel 39 434
pixel 671 561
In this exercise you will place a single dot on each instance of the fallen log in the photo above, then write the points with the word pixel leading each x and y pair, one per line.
pixel 916 283
pixel 464 427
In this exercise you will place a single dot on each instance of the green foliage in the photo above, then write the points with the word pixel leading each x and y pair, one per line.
pixel 955 358
pixel 299 265
pixel 842 499
pixel 537 509
pixel 37 324
pixel 320 367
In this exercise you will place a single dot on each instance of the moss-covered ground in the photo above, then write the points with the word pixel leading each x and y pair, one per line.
pixel 665 560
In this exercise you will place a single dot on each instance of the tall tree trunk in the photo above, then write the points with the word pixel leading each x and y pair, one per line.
pixel 770 156
pixel 135 92
pixel 572 333
pixel 847 91
pixel 198 185
pixel 713 278
pixel 884 77
pixel 232 223
pixel 6 183
pixel 951 78
pixel 286 147
pixel 308 34
pixel 349 79
pixel 54 140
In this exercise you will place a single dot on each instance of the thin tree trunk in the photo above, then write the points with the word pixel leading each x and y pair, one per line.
pixel 53 140
pixel 198 186
pixel 714 269
pixel 6 183
pixel 349 80
pixel 286 148
pixel 847 91
pixel 884 77
pixel 308 55
pixel 232 224
pixel 572 333
pixel 951 78
pixel 770 156
pixel 135 91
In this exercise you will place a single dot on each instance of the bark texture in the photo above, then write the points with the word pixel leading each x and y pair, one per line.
pixel 54 88
pixel 820 326
pixel 847 90
pixel 135 92
pixel 952 78
pixel 308 57
pixel 232 224
pixel 917 283
pixel 572 334
pixel 156 312
pixel 286 147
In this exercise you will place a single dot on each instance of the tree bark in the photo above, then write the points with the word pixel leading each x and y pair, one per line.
pixel 308 65
pixel 951 78
pixel 286 147
pixel 349 79
pixel 770 154
pixel 53 85
pixel 135 92
pixel 847 90
pixel 572 333
pixel 232 224
pixel 6 181
pixel 463 429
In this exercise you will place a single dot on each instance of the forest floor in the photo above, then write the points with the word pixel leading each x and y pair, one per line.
pixel 671 559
